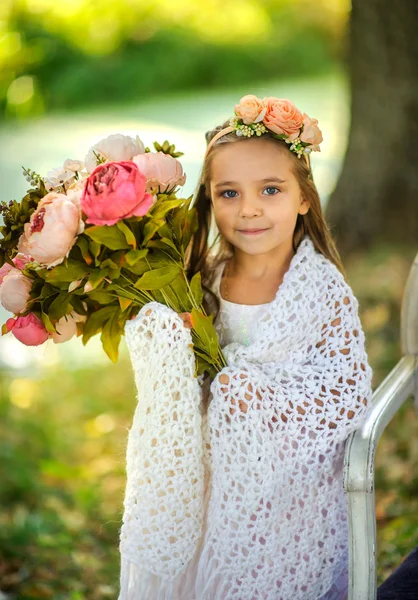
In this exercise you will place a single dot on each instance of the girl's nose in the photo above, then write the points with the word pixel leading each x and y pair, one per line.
pixel 249 208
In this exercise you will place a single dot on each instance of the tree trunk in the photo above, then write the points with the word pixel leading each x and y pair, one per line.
pixel 376 198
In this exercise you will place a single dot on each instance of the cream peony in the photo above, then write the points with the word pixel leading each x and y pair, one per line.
pixel 52 230
pixel 114 148
pixel 67 327
pixel 14 291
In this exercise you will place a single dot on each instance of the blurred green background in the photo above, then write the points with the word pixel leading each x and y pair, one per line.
pixel 71 73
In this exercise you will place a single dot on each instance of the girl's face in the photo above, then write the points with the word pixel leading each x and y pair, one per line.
pixel 252 187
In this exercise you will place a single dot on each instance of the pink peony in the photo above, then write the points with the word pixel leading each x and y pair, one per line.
pixel 115 191
pixel 29 330
pixel 52 230
pixel 20 261
pixel 250 109
pixel 67 327
pixel 14 291
pixel 311 133
pixel 282 117
pixel 162 171
pixel 6 268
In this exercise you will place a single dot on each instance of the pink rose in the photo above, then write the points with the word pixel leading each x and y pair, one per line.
pixel 14 291
pixel 250 109
pixel 115 191
pixel 311 133
pixel 162 171
pixel 52 230
pixel 67 327
pixel 29 330
pixel 282 117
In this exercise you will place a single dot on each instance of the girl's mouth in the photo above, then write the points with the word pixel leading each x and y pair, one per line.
pixel 251 231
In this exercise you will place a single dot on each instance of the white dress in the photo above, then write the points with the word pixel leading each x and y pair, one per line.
pixel 252 506
pixel 235 322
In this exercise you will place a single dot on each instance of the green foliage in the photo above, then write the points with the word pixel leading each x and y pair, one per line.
pixel 111 236
pixel 147 51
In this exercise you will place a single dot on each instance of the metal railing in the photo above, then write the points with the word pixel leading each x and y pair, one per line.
pixel 360 449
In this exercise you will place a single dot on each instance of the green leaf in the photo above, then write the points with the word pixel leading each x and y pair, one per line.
pixel 69 270
pixel 150 230
pixel 163 207
pixel 169 248
pixel 202 365
pixel 134 255
pixel 108 235
pixel 189 228
pixel 83 244
pixel 204 329
pixel 181 290
pixel 111 334
pixel 127 232
pixel 124 303
pixel 96 277
pixel 196 288
pixel 157 278
pixel 101 297
pixel 96 320
pixel 60 306
pixel 94 248
pixel 47 323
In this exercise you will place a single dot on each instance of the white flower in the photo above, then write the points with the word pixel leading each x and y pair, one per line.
pixel 115 147
pixel 58 177
pixel 73 165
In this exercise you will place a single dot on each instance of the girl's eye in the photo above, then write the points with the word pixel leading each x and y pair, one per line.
pixel 272 188
pixel 227 192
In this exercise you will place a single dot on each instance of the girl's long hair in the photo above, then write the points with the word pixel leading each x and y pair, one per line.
pixel 200 255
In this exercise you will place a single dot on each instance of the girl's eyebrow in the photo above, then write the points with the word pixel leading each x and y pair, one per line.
pixel 266 180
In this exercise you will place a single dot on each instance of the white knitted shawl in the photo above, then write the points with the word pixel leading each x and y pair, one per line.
pixel 245 501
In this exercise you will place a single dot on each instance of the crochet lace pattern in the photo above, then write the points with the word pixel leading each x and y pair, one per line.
pixel 254 507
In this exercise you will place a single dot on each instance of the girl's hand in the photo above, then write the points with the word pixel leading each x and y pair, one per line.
pixel 185 316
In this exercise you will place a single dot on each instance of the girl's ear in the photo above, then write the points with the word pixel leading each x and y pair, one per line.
pixel 303 206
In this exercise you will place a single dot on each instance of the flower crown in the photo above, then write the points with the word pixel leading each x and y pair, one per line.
pixel 254 116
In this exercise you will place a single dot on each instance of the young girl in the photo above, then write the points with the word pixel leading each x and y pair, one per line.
pixel 235 486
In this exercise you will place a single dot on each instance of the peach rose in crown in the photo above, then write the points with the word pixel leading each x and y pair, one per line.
pixel 29 330
pixel 14 291
pixel 283 117
pixel 115 191
pixel 250 109
pixel 162 171
pixel 52 230
pixel 311 133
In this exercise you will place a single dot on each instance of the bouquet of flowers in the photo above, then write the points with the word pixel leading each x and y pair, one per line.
pixel 93 242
